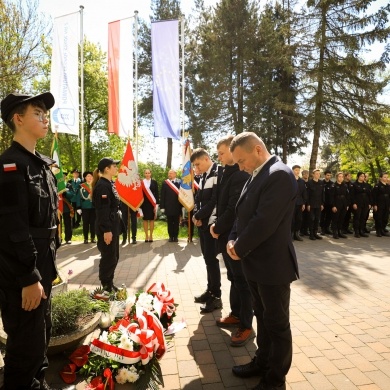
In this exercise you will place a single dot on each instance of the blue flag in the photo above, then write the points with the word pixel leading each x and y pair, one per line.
pixel 166 82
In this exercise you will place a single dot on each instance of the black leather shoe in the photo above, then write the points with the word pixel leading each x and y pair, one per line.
pixel 357 235
pixel 318 237
pixel 203 298
pixel 379 235
pixel 363 234
pixel 248 370
pixel 124 241
pixel 384 233
pixel 342 235
pixel 134 241
pixel 213 303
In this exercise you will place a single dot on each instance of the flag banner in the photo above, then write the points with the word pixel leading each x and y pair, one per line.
pixel 64 81
pixel 166 82
pixel 128 184
pixel 186 193
pixel 57 167
pixel 120 77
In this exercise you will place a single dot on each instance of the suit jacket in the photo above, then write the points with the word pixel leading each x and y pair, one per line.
pixel 169 200
pixel 230 183
pixel 262 229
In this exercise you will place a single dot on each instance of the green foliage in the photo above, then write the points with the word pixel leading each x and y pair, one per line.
pixel 67 308
pixel 152 376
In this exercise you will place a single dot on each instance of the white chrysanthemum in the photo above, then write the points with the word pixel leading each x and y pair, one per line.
pixel 123 338
pixel 145 300
pixel 104 337
pixel 121 378
pixel 132 376
pixel 113 336
pixel 127 344
pixel 132 369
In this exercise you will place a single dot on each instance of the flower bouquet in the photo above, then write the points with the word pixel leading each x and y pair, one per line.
pixel 131 348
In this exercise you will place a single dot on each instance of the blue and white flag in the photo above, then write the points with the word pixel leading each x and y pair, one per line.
pixel 186 190
pixel 64 81
pixel 166 82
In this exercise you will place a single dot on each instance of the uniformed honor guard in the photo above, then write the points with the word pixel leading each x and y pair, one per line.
pixel 361 204
pixel 105 198
pixel 339 200
pixel 29 240
pixel 381 203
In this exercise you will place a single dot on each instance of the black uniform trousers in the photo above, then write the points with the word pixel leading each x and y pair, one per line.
pixel 381 215
pixel 315 213
pixel 360 217
pixel 207 244
pixel 67 226
pixel 297 218
pixel 108 261
pixel 173 225
pixel 326 217
pixel 338 219
pixel 89 217
pixel 271 304
pixel 133 222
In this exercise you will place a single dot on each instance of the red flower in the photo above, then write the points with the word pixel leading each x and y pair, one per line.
pixel 80 356
pixel 68 373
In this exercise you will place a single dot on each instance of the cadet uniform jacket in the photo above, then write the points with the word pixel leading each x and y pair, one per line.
pixel 28 219
pixel 105 198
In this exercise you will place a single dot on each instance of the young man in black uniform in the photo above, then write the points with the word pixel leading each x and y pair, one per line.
pixel 340 200
pixel 347 218
pixel 28 241
pixel 326 213
pixel 230 184
pixel 205 201
pixel 170 205
pixel 315 203
pixel 381 204
pixel 300 204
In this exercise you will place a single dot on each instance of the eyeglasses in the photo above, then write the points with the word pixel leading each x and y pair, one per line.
pixel 40 116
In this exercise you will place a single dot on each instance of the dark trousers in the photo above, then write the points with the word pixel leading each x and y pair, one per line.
pixel 89 216
pixel 109 259
pixel 207 244
pixel 271 304
pixel 297 219
pixel 76 217
pixel 314 218
pixel 240 295
pixel 173 225
pixel 326 217
pixel 305 221
pixel 359 218
pixel 67 226
pixel 381 217
pixel 133 222
pixel 338 218
pixel 28 334
pixel 347 219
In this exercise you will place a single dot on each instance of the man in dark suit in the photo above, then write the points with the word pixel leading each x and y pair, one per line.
pixel 261 239
pixel 170 205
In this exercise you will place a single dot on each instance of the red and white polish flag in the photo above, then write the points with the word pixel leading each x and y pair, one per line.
pixel 120 77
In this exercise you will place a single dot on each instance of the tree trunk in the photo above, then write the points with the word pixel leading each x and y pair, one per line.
pixel 169 154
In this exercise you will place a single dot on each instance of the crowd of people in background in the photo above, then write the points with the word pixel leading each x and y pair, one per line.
pixel 332 207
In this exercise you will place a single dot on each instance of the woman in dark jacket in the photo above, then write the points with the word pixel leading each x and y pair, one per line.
pixel 149 206
pixel 108 221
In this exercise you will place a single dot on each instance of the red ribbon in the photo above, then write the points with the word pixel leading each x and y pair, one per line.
pixel 164 296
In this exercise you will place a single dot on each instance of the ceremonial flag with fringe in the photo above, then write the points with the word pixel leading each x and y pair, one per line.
pixel 166 81
pixel 120 77
pixel 186 193
pixel 64 80
pixel 128 183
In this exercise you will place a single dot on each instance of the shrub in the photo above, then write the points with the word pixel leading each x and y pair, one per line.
pixel 68 308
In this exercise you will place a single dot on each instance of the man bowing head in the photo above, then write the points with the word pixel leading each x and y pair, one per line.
pixel 261 240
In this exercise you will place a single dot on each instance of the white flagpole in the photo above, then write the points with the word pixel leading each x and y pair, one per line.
pixel 82 89
pixel 182 73
pixel 136 84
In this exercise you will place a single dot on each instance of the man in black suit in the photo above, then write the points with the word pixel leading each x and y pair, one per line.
pixel 261 239
pixel 170 205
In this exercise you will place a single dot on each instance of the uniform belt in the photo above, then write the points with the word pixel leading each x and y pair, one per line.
pixel 36 232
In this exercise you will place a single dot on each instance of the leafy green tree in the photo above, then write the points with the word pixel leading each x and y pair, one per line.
pixel 22 31
pixel 342 89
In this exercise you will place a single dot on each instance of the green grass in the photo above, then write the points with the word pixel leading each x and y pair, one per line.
pixel 160 231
